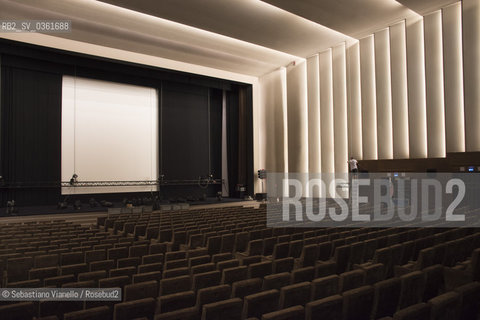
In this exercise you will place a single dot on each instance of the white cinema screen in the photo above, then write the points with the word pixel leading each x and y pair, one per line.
pixel 109 133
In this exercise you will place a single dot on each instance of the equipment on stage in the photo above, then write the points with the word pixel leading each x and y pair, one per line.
pixel 73 180
pixel 260 196
pixel 240 188
pixel 77 205
pixel 11 209
pixel 62 205
pixel 106 204
pixel 93 203
pixel 262 175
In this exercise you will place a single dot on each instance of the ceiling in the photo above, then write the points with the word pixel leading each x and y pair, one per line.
pixel 424 7
pixel 250 37
pixel 356 18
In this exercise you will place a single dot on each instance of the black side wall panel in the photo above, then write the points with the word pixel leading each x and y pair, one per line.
pixel 232 139
pixel 184 132
pixel 31 135
pixel 240 139
pixel 216 97
pixel 249 138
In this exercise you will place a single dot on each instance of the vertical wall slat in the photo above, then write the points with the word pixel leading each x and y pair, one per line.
pixel 453 71
pixel 326 110
pixel 369 105
pixel 354 101
pixel 383 94
pixel 340 108
pixel 398 63
pixel 434 85
pixel 272 117
pixel 313 90
pixel 417 112
pixel 297 112
pixel 471 54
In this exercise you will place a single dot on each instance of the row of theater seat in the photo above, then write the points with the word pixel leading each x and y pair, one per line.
pixel 356 257
pixel 412 249
pixel 291 301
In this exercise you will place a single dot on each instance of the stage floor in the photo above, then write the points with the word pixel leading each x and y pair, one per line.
pixel 88 215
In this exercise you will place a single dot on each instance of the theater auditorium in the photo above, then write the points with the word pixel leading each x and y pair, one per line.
pixel 239 160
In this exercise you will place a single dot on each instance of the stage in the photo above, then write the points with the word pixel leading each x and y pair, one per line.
pixel 53 211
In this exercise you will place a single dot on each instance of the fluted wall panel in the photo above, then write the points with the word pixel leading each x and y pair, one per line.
pixel 272 119
pixel 453 70
pixel 471 60
pixel 369 103
pixel 354 101
pixel 408 91
pixel 383 94
pixel 398 63
pixel 326 111
pixel 297 121
pixel 434 85
pixel 313 90
pixel 417 110
pixel 339 61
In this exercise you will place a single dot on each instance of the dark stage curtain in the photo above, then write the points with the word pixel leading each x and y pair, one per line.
pixel 184 132
pixel 232 140
pixel 190 138
pixel 31 135
pixel 215 101
pixel 240 139
pixel 247 113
